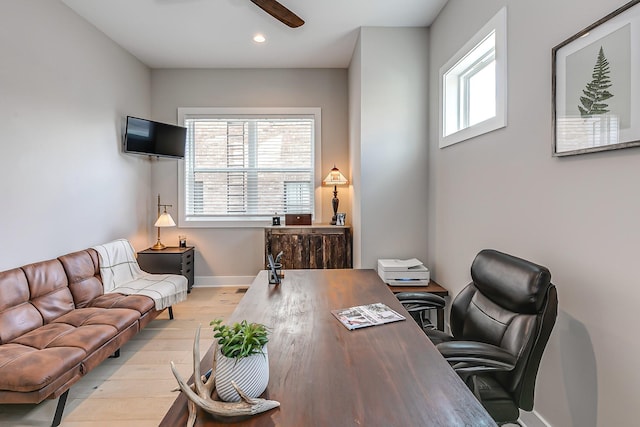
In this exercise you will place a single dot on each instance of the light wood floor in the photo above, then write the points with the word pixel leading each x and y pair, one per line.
pixel 135 389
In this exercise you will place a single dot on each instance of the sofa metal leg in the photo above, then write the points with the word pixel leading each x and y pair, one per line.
pixel 171 312
pixel 62 400
pixel 115 355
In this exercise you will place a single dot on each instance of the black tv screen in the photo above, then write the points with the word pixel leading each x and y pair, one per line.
pixel 153 138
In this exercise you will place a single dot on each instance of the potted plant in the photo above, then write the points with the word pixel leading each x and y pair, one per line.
pixel 241 357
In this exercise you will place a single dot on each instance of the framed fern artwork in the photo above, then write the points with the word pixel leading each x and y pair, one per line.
pixel 596 86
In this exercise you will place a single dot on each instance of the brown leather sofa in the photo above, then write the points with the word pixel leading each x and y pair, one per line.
pixel 56 325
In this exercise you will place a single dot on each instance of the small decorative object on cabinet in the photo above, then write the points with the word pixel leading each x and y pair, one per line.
pixel 275 269
pixel 310 247
pixel 297 219
pixel 170 260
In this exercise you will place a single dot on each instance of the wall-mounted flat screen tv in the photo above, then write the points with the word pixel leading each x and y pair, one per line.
pixel 143 136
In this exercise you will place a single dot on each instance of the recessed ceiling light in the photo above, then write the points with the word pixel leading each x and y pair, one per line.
pixel 259 38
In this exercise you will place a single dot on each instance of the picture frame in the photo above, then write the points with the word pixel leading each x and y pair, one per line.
pixel 340 218
pixel 595 82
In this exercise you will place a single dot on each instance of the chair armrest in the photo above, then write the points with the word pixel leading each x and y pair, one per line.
pixel 424 298
pixel 437 336
pixel 471 357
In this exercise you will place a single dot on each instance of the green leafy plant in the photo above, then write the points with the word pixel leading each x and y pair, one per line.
pixel 596 90
pixel 240 339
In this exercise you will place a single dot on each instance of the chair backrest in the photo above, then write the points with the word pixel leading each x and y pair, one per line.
pixel 511 303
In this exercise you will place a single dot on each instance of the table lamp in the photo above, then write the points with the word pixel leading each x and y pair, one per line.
pixel 335 178
pixel 164 220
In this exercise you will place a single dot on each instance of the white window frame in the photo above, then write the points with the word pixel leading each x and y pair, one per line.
pixel 185 222
pixel 452 91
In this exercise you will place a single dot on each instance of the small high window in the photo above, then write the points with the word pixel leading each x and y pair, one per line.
pixel 473 85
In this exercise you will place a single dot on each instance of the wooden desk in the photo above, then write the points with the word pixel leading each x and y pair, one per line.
pixel 432 288
pixel 325 375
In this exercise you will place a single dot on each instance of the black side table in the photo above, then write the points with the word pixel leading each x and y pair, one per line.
pixel 170 260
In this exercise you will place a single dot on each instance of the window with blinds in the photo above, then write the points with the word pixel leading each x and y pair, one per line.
pixel 244 167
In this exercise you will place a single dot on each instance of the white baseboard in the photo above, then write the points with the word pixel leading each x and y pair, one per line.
pixel 220 281
pixel 532 419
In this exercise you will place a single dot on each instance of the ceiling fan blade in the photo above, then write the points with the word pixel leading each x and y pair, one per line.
pixel 281 13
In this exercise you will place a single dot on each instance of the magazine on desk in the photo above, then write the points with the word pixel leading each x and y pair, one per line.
pixel 366 315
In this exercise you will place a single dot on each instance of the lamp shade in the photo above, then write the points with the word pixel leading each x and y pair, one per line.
pixel 335 177
pixel 165 220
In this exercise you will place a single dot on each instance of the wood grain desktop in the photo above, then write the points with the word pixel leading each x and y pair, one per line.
pixel 325 375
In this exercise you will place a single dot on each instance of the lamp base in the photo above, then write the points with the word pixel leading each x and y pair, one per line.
pixel 158 246
pixel 334 205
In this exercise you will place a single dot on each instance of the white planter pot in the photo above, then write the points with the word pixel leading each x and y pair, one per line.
pixel 250 373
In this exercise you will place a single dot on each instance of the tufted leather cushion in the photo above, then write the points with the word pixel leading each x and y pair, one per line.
pixel 510 282
pixel 85 328
pixel 17 315
pixel 140 303
pixel 24 368
pixel 48 288
pixel 83 272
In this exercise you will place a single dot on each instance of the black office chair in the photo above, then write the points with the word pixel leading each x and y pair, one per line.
pixel 500 325
pixel 419 305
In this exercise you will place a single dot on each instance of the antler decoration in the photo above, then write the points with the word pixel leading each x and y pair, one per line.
pixel 199 394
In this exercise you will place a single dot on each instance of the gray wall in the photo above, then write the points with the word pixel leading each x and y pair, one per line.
pixel 389 143
pixel 355 165
pixel 578 216
pixel 64 88
pixel 229 255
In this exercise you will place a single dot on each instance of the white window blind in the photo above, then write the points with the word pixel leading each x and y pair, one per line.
pixel 248 167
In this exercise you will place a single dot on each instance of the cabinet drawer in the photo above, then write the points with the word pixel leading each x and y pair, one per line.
pixel 187 264
pixel 187 259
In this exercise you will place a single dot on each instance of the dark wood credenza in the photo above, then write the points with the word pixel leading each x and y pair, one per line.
pixel 310 247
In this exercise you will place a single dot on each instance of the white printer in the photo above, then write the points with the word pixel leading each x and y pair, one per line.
pixel 407 272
